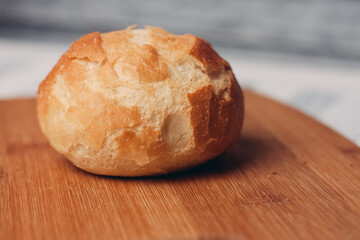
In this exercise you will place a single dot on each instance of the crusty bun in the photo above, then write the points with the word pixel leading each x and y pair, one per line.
pixel 140 102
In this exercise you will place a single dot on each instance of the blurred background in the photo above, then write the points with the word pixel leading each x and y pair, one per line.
pixel 305 53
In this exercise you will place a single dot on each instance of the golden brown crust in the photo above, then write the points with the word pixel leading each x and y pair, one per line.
pixel 140 145
pixel 200 115
pixel 213 119
pixel 150 66
pixel 111 118
pixel 115 43
pixel 46 86
pixel 88 47
pixel 107 75
pixel 203 51
pixel 174 46
pixel 139 102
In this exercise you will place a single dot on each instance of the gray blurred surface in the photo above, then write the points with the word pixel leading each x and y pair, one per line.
pixel 325 28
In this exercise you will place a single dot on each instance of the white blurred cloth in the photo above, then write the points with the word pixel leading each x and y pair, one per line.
pixel 328 90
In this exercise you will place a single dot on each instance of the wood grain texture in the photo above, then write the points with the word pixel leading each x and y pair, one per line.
pixel 289 177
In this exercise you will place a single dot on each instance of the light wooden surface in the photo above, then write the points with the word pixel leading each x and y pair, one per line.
pixel 289 177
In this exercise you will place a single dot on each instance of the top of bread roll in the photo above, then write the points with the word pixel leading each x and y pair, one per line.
pixel 140 102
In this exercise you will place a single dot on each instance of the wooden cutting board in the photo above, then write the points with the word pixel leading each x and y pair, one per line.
pixel 289 177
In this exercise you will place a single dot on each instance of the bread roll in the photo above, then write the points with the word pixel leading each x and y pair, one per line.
pixel 140 102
